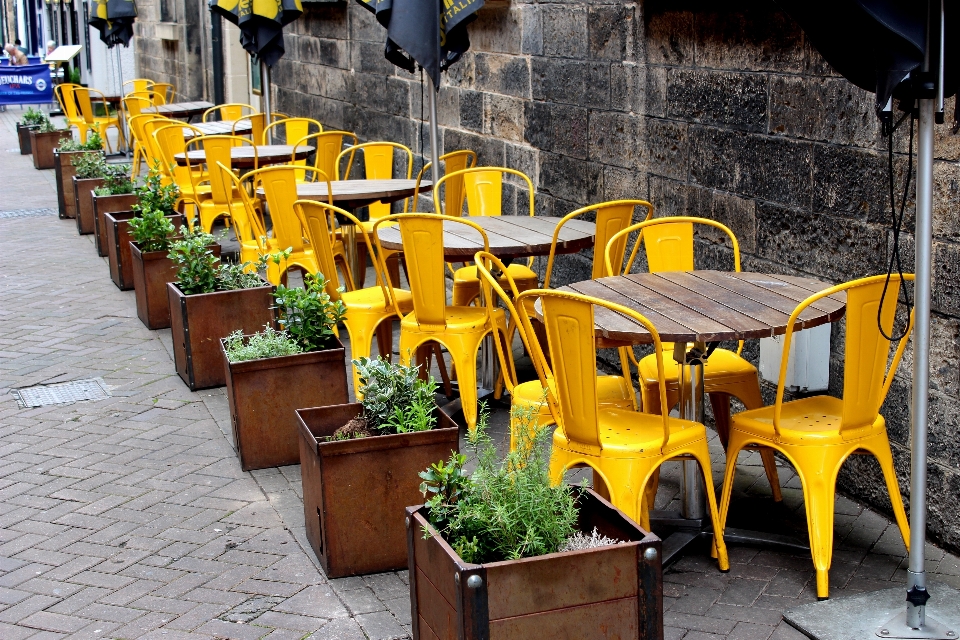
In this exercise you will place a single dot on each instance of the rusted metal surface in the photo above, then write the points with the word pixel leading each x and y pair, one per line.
pixel 264 396
pixel 197 323
pixel 605 592
pixel 355 491
pixel 151 273
pixel 108 204
pixel 118 246
pixel 23 134
pixel 43 144
pixel 64 170
pixel 83 203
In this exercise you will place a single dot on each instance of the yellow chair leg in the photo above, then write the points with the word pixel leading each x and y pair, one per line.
pixel 819 492
pixel 881 450
pixel 703 458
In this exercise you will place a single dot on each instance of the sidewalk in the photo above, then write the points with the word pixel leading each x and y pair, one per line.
pixel 130 518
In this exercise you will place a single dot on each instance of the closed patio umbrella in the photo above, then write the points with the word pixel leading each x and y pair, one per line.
pixel 114 20
pixel 431 33
pixel 907 50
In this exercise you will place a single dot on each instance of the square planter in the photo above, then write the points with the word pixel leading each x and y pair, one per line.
pixel 83 197
pixel 118 246
pixel 66 196
pixel 355 491
pixel 265 394
pixel 197 322
pixel 614 591
pixel 108 204
pixel 23 135
pixel 43 144
pixel 151 273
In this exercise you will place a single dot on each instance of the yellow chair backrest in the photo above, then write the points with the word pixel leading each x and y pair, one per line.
pixel 134 105
pixel 138 84
pixel 217 149
pixel 166 90
pixel 568 319
pixel 484 187
pixel 68 101
pixel 258 121
pixel 328 146
pixel 146 125
pixel 171 141
pixel 422 238
pixel 230 111
pixel 83 97
pixel 454 191
pixel 866 374
pixel 293 129
pixel 280 188
pixel 249 227
pixel 378 158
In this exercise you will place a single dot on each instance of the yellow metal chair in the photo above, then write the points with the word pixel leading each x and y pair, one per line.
pixel 454 193
pixel 625 448
pixel 612 391
pixel 230 111
pixel 328 145
pixel 166 91
pixel 142 128
pixel 459 329
pixel 218 198
pixel 293 129
pixel 669 247
pixel 818 434
pixel 484 188
pixel 248 223
pixel 71 111
pixel 258 121
pixel 86 98
pixel 132 107
pixel 370 310
pixel 137 84
pixel 169 142
pixel 279 185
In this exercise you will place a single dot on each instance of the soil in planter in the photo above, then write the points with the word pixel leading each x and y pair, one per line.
pixel 356 428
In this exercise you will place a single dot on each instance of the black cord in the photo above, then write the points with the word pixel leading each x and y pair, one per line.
pixel 896 224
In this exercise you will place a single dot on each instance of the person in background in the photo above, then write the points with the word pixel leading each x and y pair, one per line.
pixel 20 46
pixel 16 56
pixel 51 45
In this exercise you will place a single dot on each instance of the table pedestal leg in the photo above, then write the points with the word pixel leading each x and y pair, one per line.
pixel 349 232
pixel 691 408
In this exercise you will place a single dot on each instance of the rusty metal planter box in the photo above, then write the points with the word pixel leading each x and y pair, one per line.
pixel 151 273
pixel 355 491
pixel 606 592
pixel 83 207
pixel 118 246
pixel 43 144
pixel 23 134
pixel 64 169
pixel 197 322
pixel 108 204
pixel 265 394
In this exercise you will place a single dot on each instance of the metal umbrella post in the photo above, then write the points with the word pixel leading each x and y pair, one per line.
pixel 267 99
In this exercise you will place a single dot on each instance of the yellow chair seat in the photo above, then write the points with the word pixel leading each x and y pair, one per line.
pixel 466 284
pixel 721 365
pixel 633 434
pixel 809 421
pixel 372 299
pixel 459 319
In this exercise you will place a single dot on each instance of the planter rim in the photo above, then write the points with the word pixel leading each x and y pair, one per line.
pixel 417 514
pixel 176 285
pixel 158 255
pixel 275 362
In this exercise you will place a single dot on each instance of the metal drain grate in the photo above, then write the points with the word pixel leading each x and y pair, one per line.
pixel 61 393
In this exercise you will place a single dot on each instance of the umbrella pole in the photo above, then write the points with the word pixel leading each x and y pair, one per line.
pixel 434 135
pixel 265 95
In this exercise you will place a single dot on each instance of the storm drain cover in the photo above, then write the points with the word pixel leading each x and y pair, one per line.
pixel 61 393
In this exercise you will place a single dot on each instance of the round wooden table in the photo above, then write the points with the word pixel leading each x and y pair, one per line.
pixel 180 109
pixel 243 157
pixel 704 308
pixel 219 128
pixel 353 194
pixel 510 237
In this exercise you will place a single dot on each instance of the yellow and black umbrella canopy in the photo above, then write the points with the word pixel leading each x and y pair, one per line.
pixel 431 33
pixel 261 24
pixel 114 20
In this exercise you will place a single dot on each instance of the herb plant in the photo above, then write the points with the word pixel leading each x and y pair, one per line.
pixel 47 127
pixel 33 117
pixel 508 508
pixel 89 165
pixel 94 143
pixel 268 343
pixel 151 231
pixel 116 180
pixel 309 314
pixel 154 195
pixel 236 275
pixel 197 266
pixel 392 393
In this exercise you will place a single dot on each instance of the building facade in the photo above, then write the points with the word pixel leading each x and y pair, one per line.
pixel 726 113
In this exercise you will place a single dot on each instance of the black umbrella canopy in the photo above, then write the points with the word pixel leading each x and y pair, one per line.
pixel 876 44
pixel 261 24
pixel 425 32
pixel 114 20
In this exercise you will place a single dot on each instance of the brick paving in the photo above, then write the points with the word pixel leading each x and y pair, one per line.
pixel 130 518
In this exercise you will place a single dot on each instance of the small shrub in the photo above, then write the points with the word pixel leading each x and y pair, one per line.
pixel 199 271
pixel 48 127
pixel 75 75
pixel 395 400
pixel 116 180
pixel 268 343
pixel 154 195
pixel 33 117
pixel 309 314
pixel 94 143
pixel 89 165
pixel 152 231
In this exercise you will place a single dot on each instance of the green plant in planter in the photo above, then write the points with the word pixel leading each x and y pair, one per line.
pixel 154 195
pixel 395 400
pixel 48 127
pixel 308 314
pixel 506 509
pixel 199 271
pixel 152 231
pixel 94 143
pixel 89 165
pixel 75 75
pixel 268 343
pixel 116 181
pixel 33 117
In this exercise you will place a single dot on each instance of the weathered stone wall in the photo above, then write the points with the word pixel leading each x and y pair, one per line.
pixel 181 62
pixel 725 113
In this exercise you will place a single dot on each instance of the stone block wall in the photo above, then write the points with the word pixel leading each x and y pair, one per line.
pixel 726 113
pixel 182 62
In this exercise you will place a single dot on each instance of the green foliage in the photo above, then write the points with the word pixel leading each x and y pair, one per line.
pixel 395 400
pixel 154 195
pixel 197 267
pixel 309 314
pixel 152 230
pixel 33 117
pixel 268 343
pixel 116 180
pixel 48 127
pixel 507 509
pixel 94 143
pixel 89 165
pixel 240 275
pixel 75 75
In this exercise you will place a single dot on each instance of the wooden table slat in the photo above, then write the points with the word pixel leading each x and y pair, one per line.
pixel 624 328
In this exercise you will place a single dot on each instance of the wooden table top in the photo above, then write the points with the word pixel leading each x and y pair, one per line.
pixel 243 157
pixel 219 128
pixel 180 109
pixel 707 306
pixel 353 194
pixel 509 236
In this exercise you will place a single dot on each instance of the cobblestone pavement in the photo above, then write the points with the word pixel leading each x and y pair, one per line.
pixel 130 518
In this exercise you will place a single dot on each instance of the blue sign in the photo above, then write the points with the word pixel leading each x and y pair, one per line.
pixel 28 84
